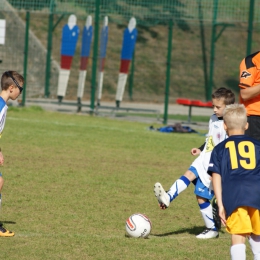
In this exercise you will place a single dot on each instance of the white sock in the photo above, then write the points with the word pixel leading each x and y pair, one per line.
pixel 178 186
pixel 207 215
pixel 238 252
pixel 254 242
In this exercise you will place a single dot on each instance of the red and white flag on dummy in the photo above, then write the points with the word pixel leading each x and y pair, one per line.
pixel 128 46
pixel 84 55
pixel 70 33
pixel 102 57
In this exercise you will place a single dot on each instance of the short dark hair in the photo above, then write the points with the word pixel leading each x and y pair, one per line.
pixel 226 94
pixel 7 81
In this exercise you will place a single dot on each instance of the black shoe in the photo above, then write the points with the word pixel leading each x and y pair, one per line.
pixel 215 212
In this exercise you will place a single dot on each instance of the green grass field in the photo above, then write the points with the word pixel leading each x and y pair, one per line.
pixel 71 181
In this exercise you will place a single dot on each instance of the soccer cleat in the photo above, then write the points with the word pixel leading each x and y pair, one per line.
pixel 162 197
pixel 215 212
pixel 5 233
pixel 208 233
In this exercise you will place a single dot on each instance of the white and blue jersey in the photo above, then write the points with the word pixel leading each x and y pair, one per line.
pixel 3 112
pixel 216 134
pixel 237 160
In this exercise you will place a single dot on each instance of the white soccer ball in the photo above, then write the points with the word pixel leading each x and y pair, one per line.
pixel 138 225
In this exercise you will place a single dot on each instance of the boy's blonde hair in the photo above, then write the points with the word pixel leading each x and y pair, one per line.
pixel 235 116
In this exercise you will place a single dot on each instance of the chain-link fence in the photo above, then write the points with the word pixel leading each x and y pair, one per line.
pixel 196 53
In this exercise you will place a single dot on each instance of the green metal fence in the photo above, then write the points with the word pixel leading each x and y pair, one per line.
pixel 185 48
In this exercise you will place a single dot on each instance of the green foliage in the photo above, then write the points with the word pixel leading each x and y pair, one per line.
pixel 71 181
pixel 190 63
pixel 147 12
pixel 30 4
pixel 26 109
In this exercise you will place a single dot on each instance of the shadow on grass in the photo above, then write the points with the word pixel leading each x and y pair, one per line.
pixel 8 222
pixel 192 231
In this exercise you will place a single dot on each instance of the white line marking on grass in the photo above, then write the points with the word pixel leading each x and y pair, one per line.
pixel 73 125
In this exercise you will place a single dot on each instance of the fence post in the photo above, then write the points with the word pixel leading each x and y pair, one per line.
pixel 212 56
pixel 168 73
pixel 131 78
pixel 95 57
pixel 49 50
pixel 26 46
pixel 250 26
pixel 48 57
pixel 203 46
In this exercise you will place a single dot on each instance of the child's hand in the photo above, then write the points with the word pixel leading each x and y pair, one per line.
pixel 195 151
pixel 222 214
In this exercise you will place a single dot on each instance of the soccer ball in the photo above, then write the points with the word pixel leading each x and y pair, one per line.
pixel 138 225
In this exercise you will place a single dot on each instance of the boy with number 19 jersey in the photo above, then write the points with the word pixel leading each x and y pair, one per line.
pixel 235 170
pixel 237 161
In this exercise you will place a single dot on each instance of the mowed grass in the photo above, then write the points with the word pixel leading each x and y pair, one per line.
pixel 71 181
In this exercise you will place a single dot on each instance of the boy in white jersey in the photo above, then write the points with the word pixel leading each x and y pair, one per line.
pixel 197 173
pixel 11 88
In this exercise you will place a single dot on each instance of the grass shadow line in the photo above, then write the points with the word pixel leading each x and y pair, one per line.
pixel 8 222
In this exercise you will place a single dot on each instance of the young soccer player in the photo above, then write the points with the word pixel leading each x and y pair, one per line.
pixel 11 88
pixel 235 170
pixel 197 173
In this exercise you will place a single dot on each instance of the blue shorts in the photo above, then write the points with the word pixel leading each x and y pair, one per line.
pixel 200 189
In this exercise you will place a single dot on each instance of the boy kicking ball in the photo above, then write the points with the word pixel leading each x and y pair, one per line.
pixel 11 88
pixel 235 170
pixel 197 173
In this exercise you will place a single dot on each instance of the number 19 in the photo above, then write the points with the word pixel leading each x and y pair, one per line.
pixel 250 155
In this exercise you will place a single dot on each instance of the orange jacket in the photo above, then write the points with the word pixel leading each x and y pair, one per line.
pixel 249 77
